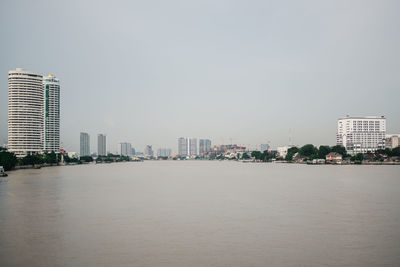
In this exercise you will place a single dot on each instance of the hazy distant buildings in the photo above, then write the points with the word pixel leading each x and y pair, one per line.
pixel 182 147
pixel 392 141
pixel 84 144
pixel 133 151
pixel 204 146
pixel 193 147
pixel 264 147
pixel 361 134
pixel 25 112
pixel 51 136
pixel 282 151
pixel 164 152
pixel 148 151
pixel 124 149
pixel 101 145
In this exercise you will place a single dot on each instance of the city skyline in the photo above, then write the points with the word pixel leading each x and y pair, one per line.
pixel 232 70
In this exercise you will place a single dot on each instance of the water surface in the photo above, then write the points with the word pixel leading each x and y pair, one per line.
pixel 200 213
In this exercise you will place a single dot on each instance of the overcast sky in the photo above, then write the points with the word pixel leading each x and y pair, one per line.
pixel 148 72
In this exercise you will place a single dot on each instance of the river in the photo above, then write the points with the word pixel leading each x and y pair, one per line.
pixel 201 213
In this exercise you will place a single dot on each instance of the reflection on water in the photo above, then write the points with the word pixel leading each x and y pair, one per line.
pixel 201 214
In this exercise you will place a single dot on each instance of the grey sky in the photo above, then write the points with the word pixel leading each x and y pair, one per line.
pixel 148 72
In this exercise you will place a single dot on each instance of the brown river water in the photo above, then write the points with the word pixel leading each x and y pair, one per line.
pixel 201 213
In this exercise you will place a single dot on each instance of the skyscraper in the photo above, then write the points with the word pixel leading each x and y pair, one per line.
pixel 361 134
pixel 84 144
pixel 125 149
pixel 25 112
pixel 101 145
pixel 164 152
pixel 51 131
pixel 193 147
pixel 182 147
pixel 148 151
pixel 204 146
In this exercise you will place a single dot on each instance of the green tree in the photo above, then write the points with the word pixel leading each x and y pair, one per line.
pixel 323 151
pixel 357 158
pixel 245 156
pixel 86 159
pixel 395 152
pixel 32 159
pixel 291 152
pixel 8 160
pixel 339 149
pixel 257 155
pixel 308 150
pixel 50 158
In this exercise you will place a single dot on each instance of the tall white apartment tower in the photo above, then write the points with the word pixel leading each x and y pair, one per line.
pixel 84 144
pixel 193 147
pixel 25 112
pixel 361 134
pixel 182 147
pixel 51 124
pixel 101 145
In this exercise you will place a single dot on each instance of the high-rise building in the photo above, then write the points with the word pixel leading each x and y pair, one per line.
pixel 182 147
pixel 25 112
pixel 51 131
pixel 84 144
pixel 204 146
pixel 101 145
pixel 133 151
pixel 193 147
pixel 124 149
pixel 148 151
pixel 361 134
pixel 164 152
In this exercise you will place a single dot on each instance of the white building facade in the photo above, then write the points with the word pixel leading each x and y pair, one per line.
pixel 361 134
pixel 124 149
pixel 182 147
pixel 25 112
pixel 51 124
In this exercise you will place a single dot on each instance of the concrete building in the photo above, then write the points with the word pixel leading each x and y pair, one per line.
pixel 148 151
pixel 25 112
pixel 51 131
pixel 133 151
pixel 101 145
pixel 124 149
pixel 282 151
pixel 361 134
pixel 84 144
pixel 392 141
pixel 204 146
pixel 164 152
pixel 193 147
pixel 182 147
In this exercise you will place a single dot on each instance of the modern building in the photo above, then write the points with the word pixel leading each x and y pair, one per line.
pixel 193 147
pixel 101 145
pixel 182 147
pixel 264 147
pixel 51 131
pixel 25 112
pixel 361 134
pixel 204 146
pixel 133 151
pixel 164 152
pixel 282 151
pixel 148 151
pixel 392 141
pixel 125 149
pixel 84 144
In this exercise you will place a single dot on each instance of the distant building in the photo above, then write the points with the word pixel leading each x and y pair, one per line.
pixel 51 131
pixel 392 140
pixel 148 151
pixel 264 147
pixel 124 149
pixel 193 147
pixel 133 152
pixel 101 145
pixel 164 152
pixel 361 134
pixel 333 157
pixel 282 151
pixel 204 146
pixel 84 144
pixel 182 147
pixel 25 112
